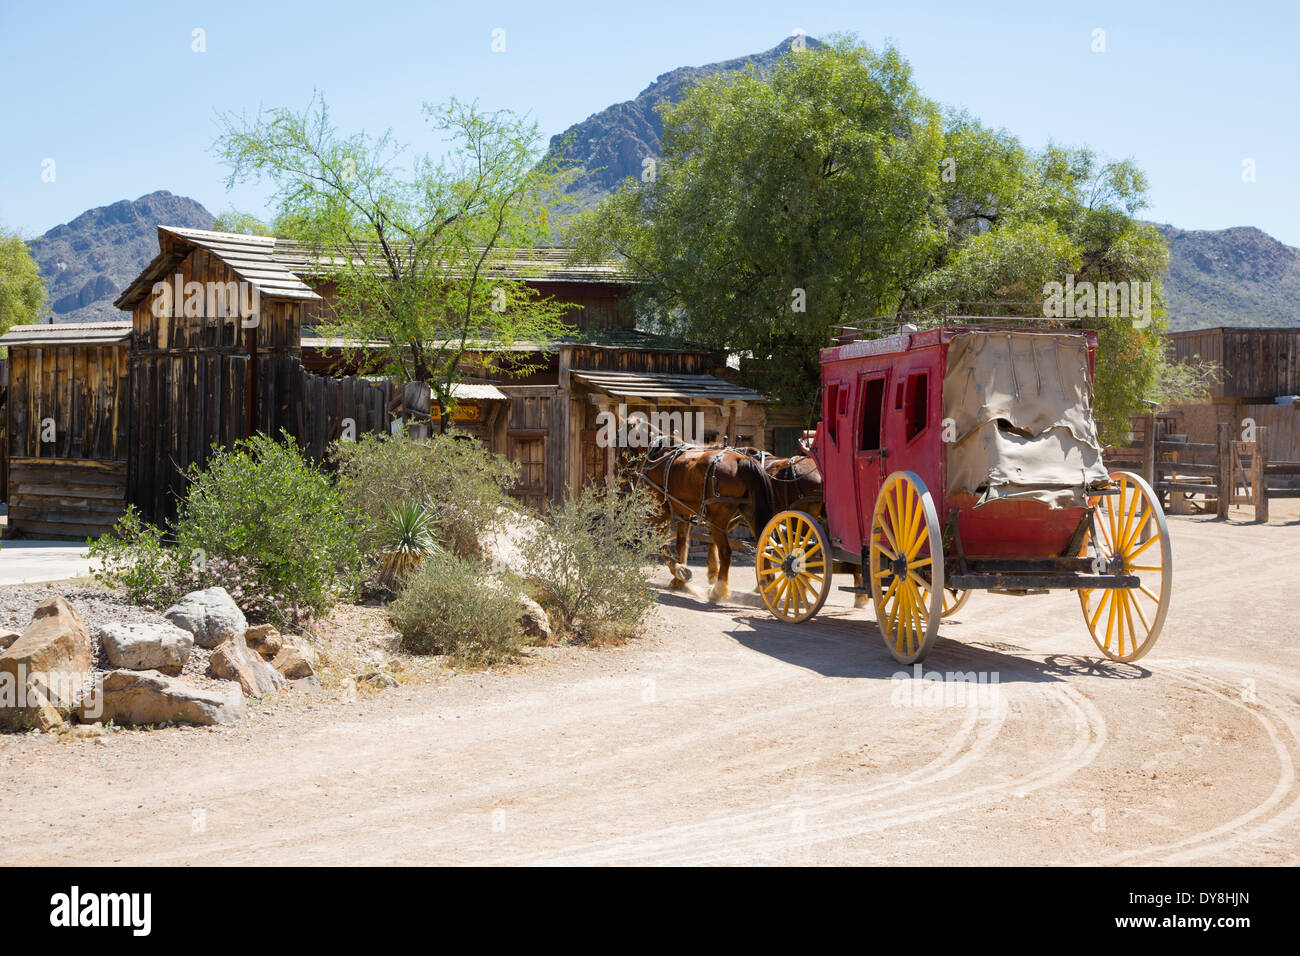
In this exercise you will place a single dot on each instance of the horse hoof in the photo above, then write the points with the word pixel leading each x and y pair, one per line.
pixel 861 600
pixel 720 592
pixel 683 574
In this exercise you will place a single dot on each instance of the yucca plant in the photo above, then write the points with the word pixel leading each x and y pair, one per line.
pixel 409 541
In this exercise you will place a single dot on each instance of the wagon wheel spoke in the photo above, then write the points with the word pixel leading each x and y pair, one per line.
pixel 793 572
pixel 1131 524
pixel 906 577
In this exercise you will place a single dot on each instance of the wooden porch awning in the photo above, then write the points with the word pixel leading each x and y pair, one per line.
pixel 666 388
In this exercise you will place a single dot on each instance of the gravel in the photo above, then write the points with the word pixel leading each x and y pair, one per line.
pixel 96 607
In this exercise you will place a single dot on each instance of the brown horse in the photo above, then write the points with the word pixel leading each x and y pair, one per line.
pixel 718 486
pixel 797 484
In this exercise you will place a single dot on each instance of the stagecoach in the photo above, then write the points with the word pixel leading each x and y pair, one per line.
pixel 966 459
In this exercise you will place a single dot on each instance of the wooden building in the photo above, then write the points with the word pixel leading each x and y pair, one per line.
pixel 1259 367
pixel 66 427
pixel 223 342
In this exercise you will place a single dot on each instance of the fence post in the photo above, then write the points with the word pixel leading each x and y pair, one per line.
pixel 1260 478
pixel 1149 449
pixel 1225 469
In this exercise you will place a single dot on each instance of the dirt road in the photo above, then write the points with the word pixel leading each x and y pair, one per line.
pixel 727 737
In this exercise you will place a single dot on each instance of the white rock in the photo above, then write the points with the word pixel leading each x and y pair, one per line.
pixel 211 615
pixel 146 647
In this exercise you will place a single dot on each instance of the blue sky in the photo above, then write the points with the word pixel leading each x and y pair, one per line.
pixel 115 95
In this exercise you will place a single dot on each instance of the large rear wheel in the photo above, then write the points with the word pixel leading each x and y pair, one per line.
pixel 1132 537
pixel 906 567
pixel 793 566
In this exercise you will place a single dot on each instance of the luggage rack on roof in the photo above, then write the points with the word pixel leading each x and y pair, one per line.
pixel 968 314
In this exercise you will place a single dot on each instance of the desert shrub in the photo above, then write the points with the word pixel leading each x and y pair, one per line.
pixel 133 558
pixel 588 558
pixel 462 485
pixel 276 525
pixel 451 605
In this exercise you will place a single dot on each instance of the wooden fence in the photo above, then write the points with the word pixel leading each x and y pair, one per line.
pixel 1181 472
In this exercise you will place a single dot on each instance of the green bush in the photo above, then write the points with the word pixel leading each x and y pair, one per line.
pixel 462 485
pixel 260 521
pixel 134 558
pixel 588 561
pixel 451 605
pixel 263 506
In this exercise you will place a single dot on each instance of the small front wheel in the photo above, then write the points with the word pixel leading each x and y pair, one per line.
pixel 793 566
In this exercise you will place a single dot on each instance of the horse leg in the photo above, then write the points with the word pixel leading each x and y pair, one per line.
pixel 721 589
pixel 713 562
pixel 860 600
pixel 674 554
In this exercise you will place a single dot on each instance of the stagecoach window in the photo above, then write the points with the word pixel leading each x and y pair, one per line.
pixel 831 413
pixel 873 403
pixel 916 407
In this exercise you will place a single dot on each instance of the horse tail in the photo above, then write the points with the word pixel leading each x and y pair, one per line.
pixel 759 486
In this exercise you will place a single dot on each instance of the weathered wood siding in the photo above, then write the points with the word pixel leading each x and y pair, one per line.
pixel 535 441
pixel 1257 363
pixel 200 380
pixel 66 438
pixel 65 496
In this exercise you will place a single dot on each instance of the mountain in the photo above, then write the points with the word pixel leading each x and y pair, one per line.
pixel 1238 276
pixel 87 262
pixel 611 145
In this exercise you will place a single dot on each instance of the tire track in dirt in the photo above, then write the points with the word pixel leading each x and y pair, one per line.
pixel 1243 828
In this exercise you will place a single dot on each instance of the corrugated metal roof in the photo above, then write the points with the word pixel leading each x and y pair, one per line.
pixel 475 392
pixel 68 333
pixel 666 386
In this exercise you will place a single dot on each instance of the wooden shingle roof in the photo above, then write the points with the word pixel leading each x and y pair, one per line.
pixel 251 258
pixel 68 333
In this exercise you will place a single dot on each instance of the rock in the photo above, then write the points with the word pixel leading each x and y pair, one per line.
pixel 148 697
pixel 146 647
pixel 43 671
pixel 211 615
pixel 234 660
pixel 293 664
pixel 7 638
pixel 264 639
pixel 378 680
pixel 534 620
pixel 86 731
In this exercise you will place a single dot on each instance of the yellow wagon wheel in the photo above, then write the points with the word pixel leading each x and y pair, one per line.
pixel 793 566
pixel 954 601
pixel 906 566
pixel 1133 538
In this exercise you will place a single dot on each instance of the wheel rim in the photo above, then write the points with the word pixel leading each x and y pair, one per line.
pixel 906 567
pixel 1133 538
pixel 954 601
pixel 793 566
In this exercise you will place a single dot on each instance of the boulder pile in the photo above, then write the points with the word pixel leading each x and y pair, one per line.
pixel 47 674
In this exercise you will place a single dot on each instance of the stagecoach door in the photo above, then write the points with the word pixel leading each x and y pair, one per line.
pixel 869 462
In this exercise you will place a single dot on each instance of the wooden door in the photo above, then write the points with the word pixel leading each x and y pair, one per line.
pixel 528 451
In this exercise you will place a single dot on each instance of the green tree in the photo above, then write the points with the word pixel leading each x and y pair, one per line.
pixel 835 185
pixel 22 290
pixel 420 247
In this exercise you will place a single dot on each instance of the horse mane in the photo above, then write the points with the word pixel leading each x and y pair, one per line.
pixel 759 486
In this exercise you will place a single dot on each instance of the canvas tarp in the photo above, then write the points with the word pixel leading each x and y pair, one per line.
pixel 1022 411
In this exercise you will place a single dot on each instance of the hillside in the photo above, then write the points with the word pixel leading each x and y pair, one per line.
pixel 1238 276
pixel 611 145
pixel 87 261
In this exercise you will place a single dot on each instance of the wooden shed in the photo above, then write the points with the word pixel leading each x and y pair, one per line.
pixel 66 426
pixel 1258 364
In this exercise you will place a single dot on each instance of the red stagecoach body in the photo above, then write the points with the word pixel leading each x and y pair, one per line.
pixel 888 405
pixel 960 459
